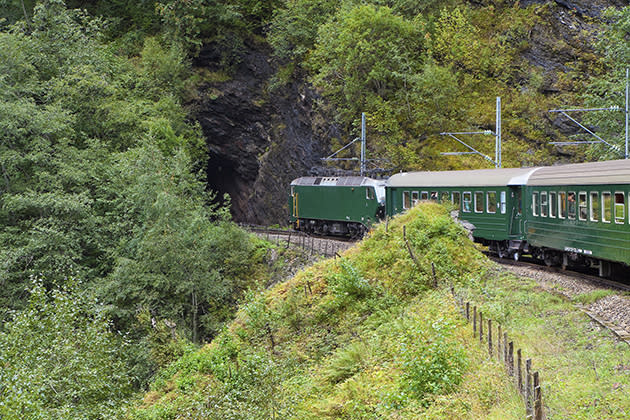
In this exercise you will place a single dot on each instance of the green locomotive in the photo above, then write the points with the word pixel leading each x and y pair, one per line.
pixel 344 206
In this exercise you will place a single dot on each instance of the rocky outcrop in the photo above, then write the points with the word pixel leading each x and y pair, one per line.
pixel 258 140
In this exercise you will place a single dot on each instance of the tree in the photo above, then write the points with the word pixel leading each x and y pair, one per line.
pixel 608 88
pixel 60 360
pixel 184 261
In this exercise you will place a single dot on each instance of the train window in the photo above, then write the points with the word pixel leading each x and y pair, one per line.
pixel 424 195
pixel 467 201
pixel 595 209
pixel 369 193
pixel 553 210
pixel 544 204
pixel 535 204
pixel 444 197
pixel 406 200
pixel 562 205
pixel 414 198
pixel 434 195
pixel 582 205
pixel 478 202
pixel 571 204
pixel 456 198
pixel 606 207
pixel 503 202
pixel 491 202
pixel 620 207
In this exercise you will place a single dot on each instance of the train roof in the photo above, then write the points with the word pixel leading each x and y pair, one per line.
pixel 469 178
pixel 338 181
pixel 592 173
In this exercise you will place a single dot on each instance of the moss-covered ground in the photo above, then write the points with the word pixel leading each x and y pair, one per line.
pixel 369 336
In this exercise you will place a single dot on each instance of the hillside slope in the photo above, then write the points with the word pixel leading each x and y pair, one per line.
pixel 364 336
pixel 368 336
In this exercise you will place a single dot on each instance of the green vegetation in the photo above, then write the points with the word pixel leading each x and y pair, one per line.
pixel 102 201
pixel 364 336
pixel 62 351
pixel 583 367
pixel 609 88
pixel 419 69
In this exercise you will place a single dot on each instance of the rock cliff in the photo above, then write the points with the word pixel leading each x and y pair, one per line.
pixel 260 139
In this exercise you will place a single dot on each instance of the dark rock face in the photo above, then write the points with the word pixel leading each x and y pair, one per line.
pixel 564 36
pixel 562 43
pixel 258 142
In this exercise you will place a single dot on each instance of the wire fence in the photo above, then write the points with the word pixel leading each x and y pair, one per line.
pixel 492 336
pixel 310 244
pixel 501 347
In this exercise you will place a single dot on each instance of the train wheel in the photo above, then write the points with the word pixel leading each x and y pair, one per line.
pixel 502 250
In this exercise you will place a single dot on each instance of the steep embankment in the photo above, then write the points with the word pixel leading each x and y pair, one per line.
pixel 369 336
pixel 364 336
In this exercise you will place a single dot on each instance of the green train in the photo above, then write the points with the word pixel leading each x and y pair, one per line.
pixel 342 206
pixel 574 215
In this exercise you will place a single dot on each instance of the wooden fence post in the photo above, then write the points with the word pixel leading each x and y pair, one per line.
pixel 511 358
pixel 505 349
pixel 519 373
pixel 528 387
pixel 490 337
pixel 474 320
pixel 537 398
pixel 468 311
pixel 499 342
pixel 480 326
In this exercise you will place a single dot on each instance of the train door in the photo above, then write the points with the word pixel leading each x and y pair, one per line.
pixel 515 211
pixel 296 213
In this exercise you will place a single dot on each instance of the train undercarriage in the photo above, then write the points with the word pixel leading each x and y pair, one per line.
pixel 353 230
pixel 556 258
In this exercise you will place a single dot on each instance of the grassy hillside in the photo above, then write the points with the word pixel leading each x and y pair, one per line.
pixel 367 336
pixel 363 336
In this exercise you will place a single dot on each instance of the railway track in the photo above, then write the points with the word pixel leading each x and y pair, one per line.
pixel 593 279
pixel 319 245
pixel 612 312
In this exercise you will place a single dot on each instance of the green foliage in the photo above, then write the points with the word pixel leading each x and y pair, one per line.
pixel 178 264
pixel 348 285
pixel 365 54
pixel 347 361
pixel 60 360
pixel 421 68
pixel 294 27
pixel 592 297
pixel 608 89
pixel 97 180
pixel 432 365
